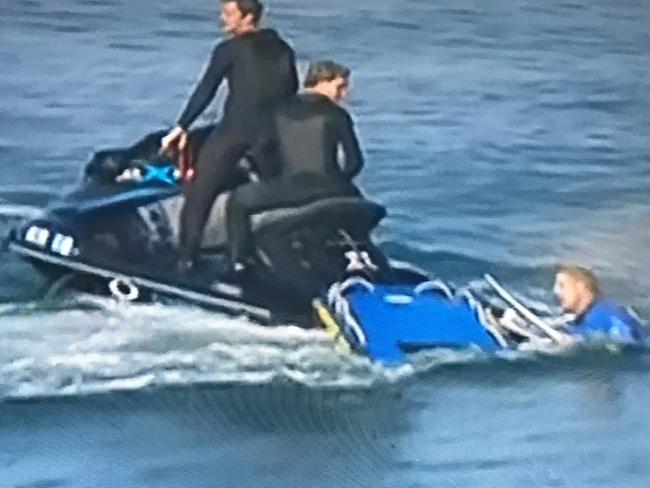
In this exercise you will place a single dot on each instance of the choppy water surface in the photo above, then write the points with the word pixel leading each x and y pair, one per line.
pixel 503 137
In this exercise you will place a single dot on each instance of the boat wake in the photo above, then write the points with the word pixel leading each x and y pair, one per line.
pixel 84 344
pixel 11 213
pixel 89 344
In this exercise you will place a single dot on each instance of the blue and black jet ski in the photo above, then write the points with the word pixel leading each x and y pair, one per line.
pixel 118 232
pixel 315 265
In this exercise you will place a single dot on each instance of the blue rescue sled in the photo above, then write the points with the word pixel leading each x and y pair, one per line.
pixel 386 321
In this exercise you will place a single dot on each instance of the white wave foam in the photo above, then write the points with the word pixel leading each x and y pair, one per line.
pixel 117 346
pixel 121 346
pixel 9 212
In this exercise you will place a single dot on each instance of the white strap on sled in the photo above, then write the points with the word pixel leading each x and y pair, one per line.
pixel 436 286
pixel 481 316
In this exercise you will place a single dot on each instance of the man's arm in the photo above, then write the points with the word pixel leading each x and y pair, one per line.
pixel 211 77
pixel 625 328
pixel 353 159
pixel 293 75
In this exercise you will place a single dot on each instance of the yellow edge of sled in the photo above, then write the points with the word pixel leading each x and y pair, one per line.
pixel 325 319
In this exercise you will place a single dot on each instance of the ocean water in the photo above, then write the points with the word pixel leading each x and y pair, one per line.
pixel 503 137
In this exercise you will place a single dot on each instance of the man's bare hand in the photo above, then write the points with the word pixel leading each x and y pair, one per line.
pixel 176 140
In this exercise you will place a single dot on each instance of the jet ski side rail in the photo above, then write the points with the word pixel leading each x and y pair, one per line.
pixel 261 314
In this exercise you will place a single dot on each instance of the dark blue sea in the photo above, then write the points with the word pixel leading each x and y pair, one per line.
pixel 503 137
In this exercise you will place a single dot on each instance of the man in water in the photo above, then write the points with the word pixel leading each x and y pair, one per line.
pixel 260 70
pixel 299 154
pixel 595 316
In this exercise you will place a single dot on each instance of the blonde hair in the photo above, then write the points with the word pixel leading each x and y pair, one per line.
pixel 581 274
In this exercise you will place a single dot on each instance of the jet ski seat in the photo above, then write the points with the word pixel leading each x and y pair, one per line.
pixel 357 215
pixel 306 248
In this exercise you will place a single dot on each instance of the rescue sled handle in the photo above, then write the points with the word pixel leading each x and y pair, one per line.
pixel 524 311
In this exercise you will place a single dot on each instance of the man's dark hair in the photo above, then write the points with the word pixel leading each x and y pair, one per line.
pixel 246 7
pixel 324 71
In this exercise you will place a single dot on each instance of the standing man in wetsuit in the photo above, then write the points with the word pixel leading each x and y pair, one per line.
pixel 298 155
pixel 260 70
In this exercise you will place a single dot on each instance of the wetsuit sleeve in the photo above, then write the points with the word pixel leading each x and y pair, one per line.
pixel 353 161
pixel 211 77
pixel 293 75
pixel 625 329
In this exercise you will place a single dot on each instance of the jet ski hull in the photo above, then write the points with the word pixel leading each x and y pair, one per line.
pixel 123 242
pixel 218 295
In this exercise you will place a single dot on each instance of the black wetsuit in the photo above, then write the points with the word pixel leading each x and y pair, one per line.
pixel 297 157
pixel 260 70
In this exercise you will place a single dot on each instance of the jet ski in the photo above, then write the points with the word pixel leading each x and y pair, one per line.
pixel 316 265
pixel 118 233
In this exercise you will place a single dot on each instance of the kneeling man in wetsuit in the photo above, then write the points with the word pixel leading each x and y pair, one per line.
pixel 297 155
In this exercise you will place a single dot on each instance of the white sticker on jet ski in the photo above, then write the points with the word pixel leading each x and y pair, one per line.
pixel 358 261
pixel 37 235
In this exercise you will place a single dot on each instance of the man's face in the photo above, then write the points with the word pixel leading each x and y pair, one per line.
pixel 232 19
pixel 337 89
pixel 569 292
